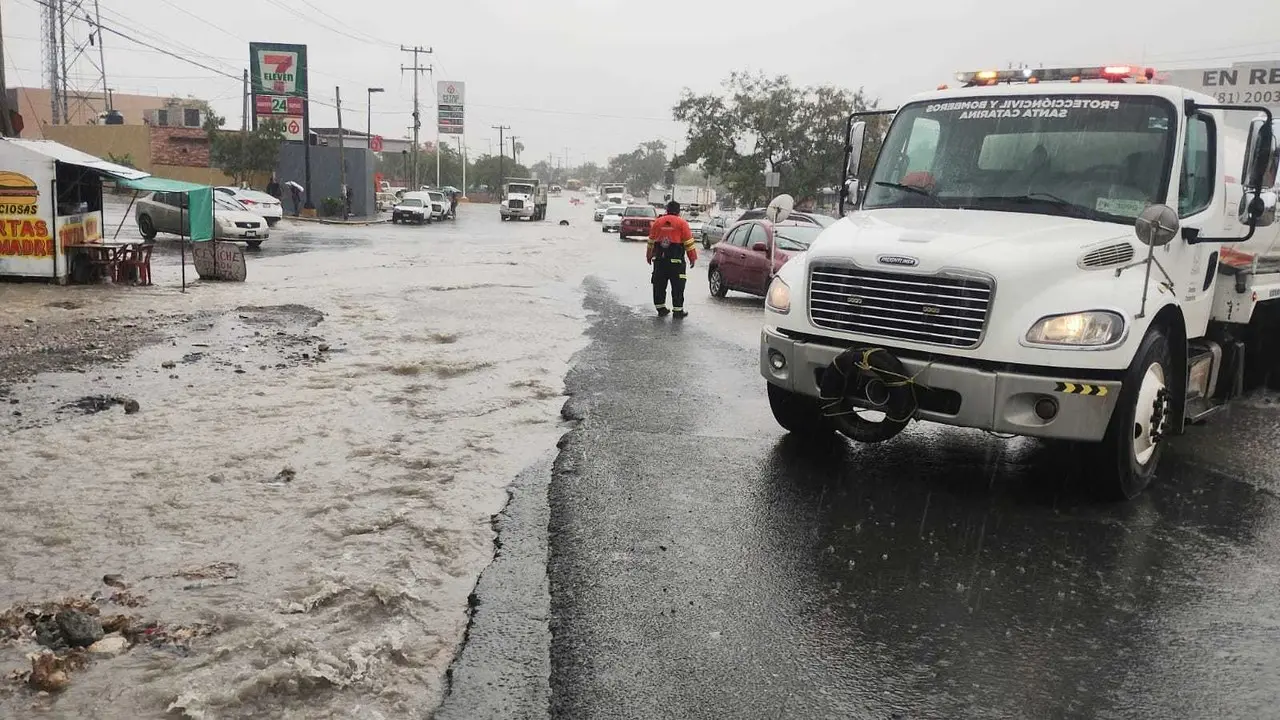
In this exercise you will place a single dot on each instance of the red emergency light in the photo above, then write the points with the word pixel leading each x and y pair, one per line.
pixel 1109 73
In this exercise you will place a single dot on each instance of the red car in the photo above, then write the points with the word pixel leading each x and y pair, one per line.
pixel 742 261
pixel 636 220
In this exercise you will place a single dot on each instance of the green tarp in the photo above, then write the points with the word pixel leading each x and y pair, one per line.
pixel 199 201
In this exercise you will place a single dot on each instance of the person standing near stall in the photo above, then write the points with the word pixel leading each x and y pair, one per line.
pixel 670 241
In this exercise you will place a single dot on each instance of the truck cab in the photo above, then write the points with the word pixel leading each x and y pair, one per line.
pixel 523 198
pixel 1076 255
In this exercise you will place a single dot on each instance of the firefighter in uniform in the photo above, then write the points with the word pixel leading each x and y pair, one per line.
pixel 670 240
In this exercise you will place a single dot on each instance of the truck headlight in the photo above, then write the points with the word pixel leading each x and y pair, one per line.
pixel 1094 328
pixel 779 297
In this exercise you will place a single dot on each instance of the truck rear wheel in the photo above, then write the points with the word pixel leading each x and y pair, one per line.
pixel 798 414
pixel 1128 455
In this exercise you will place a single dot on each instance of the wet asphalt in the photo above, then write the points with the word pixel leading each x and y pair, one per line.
pixel 696 562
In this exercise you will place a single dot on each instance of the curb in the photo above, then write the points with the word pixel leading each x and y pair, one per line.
pixel 326 221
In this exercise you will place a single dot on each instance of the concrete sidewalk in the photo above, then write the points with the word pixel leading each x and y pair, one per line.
pixel 337 221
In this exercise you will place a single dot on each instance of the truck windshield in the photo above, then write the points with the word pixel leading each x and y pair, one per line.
pixel 1096 157
pixel 521 189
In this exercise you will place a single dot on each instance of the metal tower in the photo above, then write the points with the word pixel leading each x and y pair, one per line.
pixel 51 52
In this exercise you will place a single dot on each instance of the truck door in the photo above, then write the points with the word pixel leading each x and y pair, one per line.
pixel 1198 179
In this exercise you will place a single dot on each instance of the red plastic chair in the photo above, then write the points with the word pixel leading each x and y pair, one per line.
pixel 135 262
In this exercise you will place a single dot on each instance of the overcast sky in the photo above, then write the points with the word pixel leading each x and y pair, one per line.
pixel 597 77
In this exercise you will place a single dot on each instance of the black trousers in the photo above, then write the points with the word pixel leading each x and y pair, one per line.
pixel 667 270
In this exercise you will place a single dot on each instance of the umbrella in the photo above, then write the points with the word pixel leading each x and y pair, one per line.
pixel 295 186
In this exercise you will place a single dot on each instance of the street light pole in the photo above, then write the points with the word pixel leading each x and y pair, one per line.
pixel 368 131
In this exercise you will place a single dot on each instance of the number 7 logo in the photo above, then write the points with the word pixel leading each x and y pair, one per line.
pixel 282 62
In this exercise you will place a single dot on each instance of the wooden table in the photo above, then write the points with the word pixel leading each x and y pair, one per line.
pixel 99 260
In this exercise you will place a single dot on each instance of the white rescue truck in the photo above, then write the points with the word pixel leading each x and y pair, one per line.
pixel 1077 255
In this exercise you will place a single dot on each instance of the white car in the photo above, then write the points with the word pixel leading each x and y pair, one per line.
pixel 257 202
pixel 414 207
pixel 439 204
pixel 598 215
pixel 612 218
pixel 235 221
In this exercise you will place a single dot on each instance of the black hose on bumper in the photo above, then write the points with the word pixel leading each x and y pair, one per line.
pixel 868 379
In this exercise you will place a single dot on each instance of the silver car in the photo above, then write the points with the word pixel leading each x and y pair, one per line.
pixel 713 231
pixel 166 212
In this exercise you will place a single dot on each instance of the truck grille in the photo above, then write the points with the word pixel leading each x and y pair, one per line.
pixel 920 308
pixel 516 204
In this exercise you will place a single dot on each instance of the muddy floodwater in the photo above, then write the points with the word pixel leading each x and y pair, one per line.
pixel 295 507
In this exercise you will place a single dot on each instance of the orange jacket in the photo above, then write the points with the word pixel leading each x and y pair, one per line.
pixel 673 230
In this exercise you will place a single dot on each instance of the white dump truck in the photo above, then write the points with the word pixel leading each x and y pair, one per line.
pixel 1072 254
pixel 523 198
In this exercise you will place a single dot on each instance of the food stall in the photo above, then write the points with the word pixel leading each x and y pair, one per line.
pixel 51 218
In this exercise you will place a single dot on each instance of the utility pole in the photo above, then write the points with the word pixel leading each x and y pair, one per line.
pixel 515 155
pixel 244 105
pixel 6 120
pixel 102 57
pixel 342 151
pixel 417 70
pixel 501 129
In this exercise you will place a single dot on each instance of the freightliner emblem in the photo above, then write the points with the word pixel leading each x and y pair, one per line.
pixel 900 260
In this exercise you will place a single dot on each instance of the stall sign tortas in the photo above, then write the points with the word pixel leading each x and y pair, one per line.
pixel 79 229
pixel 23 233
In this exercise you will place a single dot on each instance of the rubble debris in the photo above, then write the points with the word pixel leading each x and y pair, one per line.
pixel 79 629
pixel 212 571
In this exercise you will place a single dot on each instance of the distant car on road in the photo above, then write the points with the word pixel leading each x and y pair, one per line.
pixel 167 212
pixel 257 202
pixel 636 220
pixel 612 218
pixel 598 215
pixel 713 231
pixel 753 252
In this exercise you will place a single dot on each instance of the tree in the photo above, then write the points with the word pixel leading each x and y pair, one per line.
pixel 641 168
pixel 760 121
pixel 244 154
pixel 485 171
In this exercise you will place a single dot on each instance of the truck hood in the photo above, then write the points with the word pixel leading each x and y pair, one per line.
pixel 518 196
pixel 946 238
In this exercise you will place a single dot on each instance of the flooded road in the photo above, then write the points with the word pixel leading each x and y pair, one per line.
pixel 310 487
pixel 308 484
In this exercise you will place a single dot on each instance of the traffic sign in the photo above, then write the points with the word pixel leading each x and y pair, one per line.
pixel 375 143
pixel 772 179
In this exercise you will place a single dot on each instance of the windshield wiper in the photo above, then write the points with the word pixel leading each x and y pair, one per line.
pixel 909 188
pixel 1043 198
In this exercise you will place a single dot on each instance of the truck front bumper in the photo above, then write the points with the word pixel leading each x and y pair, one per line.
pixel 988 400
pixel 525 212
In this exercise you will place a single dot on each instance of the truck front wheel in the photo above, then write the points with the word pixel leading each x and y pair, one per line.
pixel 1135 438
pixel 799 414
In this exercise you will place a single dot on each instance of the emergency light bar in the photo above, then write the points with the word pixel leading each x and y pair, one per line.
pixel 1110 73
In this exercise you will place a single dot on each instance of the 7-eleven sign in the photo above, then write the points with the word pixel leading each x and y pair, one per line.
pixel 278 69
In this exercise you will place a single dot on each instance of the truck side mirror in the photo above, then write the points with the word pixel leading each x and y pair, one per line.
pixel 1157 226
pixel 853 150
pixel 1262 157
